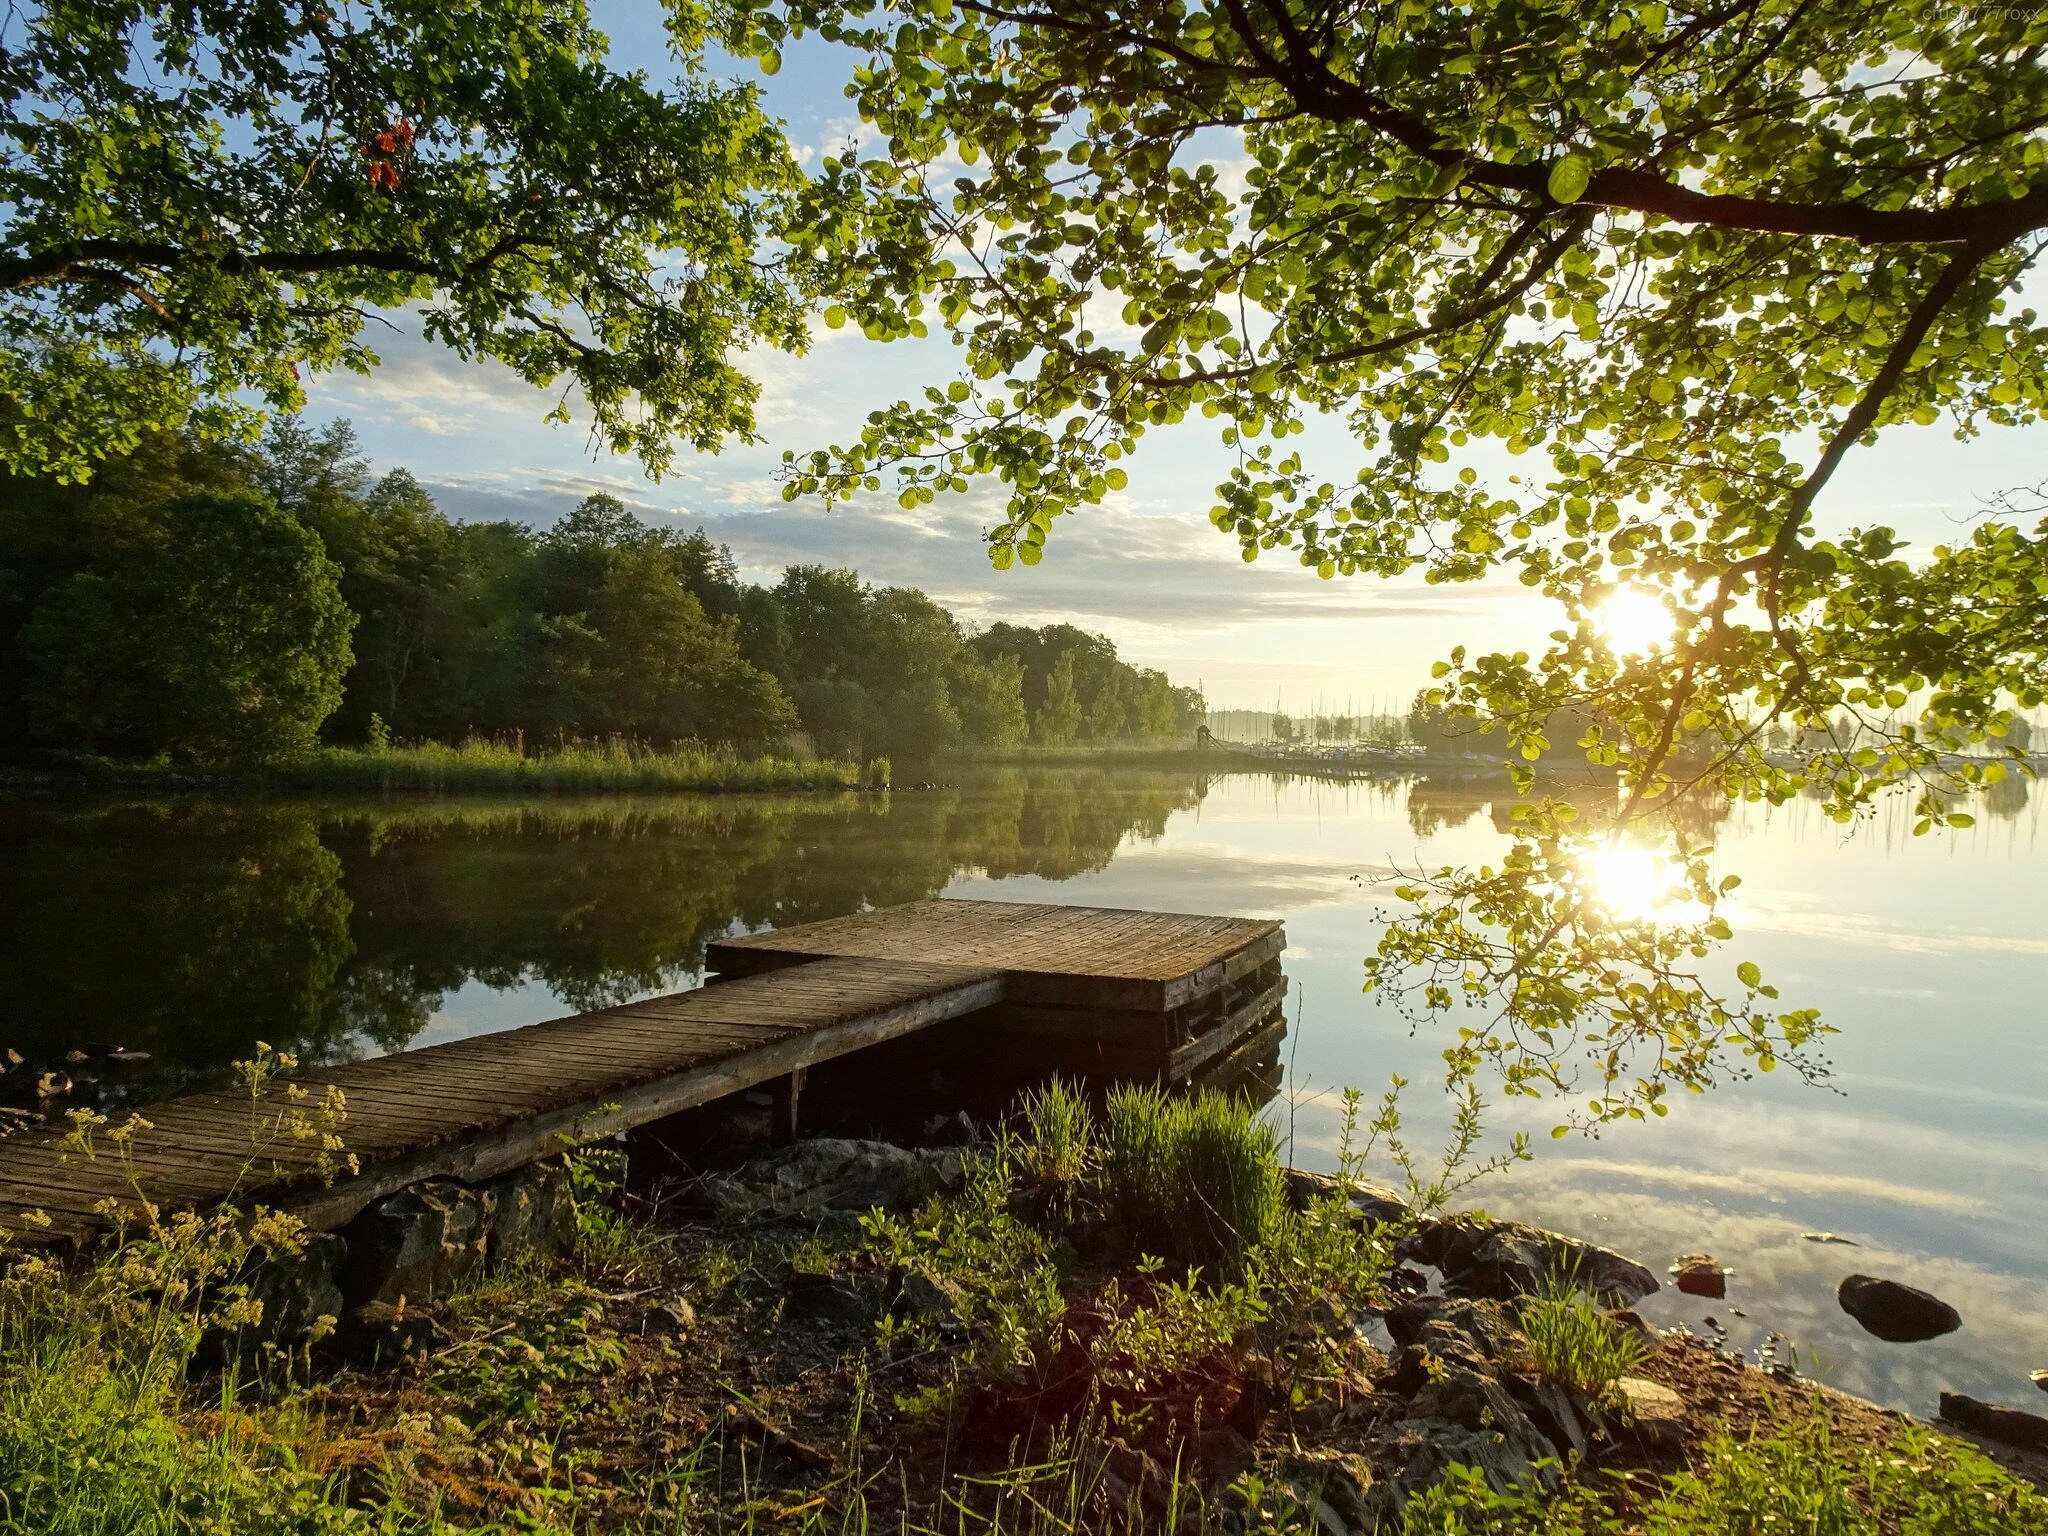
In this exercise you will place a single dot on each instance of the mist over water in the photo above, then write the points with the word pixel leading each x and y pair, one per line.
pixel 192 929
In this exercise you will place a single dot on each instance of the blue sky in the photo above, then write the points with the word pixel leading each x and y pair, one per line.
pixel 1146 568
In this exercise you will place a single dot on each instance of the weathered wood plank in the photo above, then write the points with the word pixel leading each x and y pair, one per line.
pixel 1241 1022
pixel 1058 956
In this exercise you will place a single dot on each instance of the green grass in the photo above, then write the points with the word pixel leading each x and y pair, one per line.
pixel 498 767
pixel 1572 1342
pixel 1794 1479
pixel 1195 1179
pixel 1056 1142
pixel 613 767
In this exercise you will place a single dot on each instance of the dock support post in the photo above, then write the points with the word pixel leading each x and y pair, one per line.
pixel 782 1112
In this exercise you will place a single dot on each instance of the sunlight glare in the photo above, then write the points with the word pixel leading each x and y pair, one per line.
pixel 1633 883
pixel 1633 622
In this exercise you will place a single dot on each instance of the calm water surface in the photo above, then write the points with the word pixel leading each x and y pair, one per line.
pixel 342 929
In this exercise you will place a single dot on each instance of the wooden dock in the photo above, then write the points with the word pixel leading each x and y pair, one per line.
pixel 1137 993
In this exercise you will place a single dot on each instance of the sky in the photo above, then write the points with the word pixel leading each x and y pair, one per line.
pixel 1145 568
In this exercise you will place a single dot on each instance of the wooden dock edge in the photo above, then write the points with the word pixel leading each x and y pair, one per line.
pixel 494 1152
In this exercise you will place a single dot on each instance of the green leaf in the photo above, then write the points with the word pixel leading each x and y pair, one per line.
pixel 1570 177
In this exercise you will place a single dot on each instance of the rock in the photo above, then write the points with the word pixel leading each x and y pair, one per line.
pixel 1696 1274
pixel 1475 1400
pixel 381 1333
pixel 1303 1188
pixel 1504 1259
pixel 1632 1321
pixel 300 1297
pixel 1335 1487
pixel 1655 1412
pixel 672 1315
pixel 1448 1328
pixel 2009 1426
pixel 1224 1456
pixel 810 1178
pixel 1412 1454
pixel 1898 1314
pixel 301 1294
pixel 927 1298
pixel 954 1130
pixel 835 1301
pixel 533 1211
pixel 416 1244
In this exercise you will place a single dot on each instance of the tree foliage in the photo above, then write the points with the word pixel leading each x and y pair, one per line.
pixel 205 203
pixel 1680 259
pixel 214 633
pixel 602 625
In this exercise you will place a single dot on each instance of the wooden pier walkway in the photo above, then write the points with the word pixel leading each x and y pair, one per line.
pixel 1154 992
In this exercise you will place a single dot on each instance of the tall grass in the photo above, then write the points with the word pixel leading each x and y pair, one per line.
pixel 1057 1134
pixel 1195 1179
pixel 506 767
pixel 1571 1341
pixel 483 766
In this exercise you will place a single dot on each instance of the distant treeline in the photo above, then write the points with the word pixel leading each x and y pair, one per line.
pixel 214 604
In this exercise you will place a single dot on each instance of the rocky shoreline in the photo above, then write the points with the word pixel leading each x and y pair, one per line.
pixel 1435 1374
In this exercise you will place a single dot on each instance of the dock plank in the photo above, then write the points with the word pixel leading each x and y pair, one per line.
pixel 475 1108
pixel 1063 956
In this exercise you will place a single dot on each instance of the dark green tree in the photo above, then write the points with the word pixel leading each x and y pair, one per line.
pixel 216 633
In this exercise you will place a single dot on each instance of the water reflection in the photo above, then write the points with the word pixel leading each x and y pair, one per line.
pixel 189 931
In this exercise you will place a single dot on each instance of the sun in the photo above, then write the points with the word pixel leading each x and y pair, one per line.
pixel 1633 622
pixel 1633 883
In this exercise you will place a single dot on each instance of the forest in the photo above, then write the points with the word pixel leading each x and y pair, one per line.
pixel 208 603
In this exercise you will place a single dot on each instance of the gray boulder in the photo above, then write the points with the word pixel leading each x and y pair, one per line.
pixel 1653 1411
pixel 300 1297
pixel 297 1292
pixel 380 1333
pixel 1412 1454
pixel 1376 1204
pixel 419 1243
pixel 532 1211
pixel 1499 1260
pixel 809 1179
pixel 1898 1314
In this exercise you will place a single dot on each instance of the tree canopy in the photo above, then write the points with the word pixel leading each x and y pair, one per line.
pixel 198 599
pixel 1680 259
pixel 207 203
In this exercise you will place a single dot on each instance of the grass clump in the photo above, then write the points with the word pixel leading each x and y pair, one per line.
pixel 1571 1341
pixel 1195 1179
pixel 1056 1144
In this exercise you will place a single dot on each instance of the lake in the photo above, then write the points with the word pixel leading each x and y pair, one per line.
pixel 191 929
